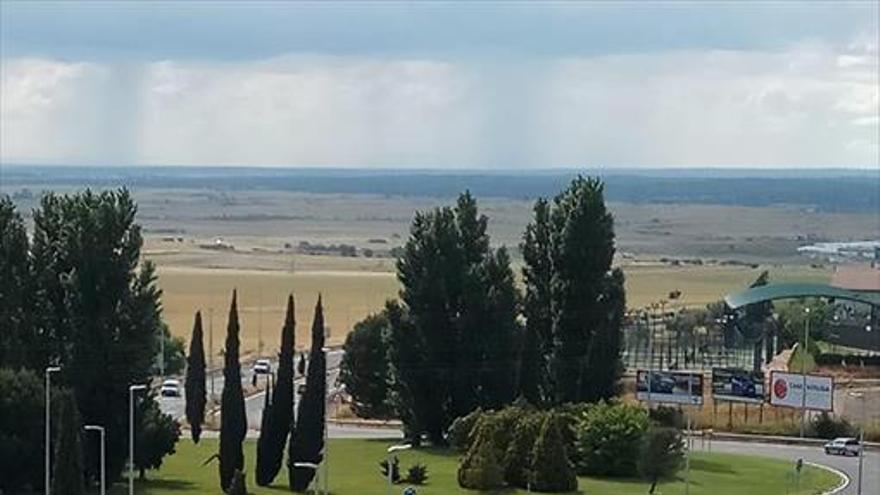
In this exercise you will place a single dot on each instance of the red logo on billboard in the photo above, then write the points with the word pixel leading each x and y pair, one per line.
pixel 780 388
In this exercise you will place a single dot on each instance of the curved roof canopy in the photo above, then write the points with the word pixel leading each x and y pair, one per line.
pixel 790 291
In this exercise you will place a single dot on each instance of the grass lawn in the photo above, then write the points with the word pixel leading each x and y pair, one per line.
pixel 354 471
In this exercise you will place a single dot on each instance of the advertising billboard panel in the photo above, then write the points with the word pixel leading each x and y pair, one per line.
pixel 786 389
pixel 738 385
pixel 670 386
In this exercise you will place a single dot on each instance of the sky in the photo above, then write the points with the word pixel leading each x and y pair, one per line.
pixel 441 85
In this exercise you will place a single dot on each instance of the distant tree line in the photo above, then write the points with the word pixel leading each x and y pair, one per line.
pixel 75 294
pixel 463 337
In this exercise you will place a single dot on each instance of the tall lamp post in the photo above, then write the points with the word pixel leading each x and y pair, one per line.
pixel 131 390
pixel 861 396
pixel 804 370
pixel 49 371
pixel 326 350
pixel 391 450
pixel 100 429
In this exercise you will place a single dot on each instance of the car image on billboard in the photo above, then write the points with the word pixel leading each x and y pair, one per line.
pixel 738 385
pixel 670 386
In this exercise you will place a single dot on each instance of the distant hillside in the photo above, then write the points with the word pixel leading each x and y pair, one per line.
pixel 825 190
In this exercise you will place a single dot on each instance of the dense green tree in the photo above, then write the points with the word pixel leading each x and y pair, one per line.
pixel 280 413
pixel 535 383
pixel 174 356
pixel 454 341
pixel 155 436
pixel 196 390
pixel 233 419
pixel 661 454
pixel 21 430
pixel 551 467
pixel 97 308
pixel 307 445
pixel 608 439
pixel 16 291
pixel 568 250
pixel 481 469
pixel 364 369
pixel 67 469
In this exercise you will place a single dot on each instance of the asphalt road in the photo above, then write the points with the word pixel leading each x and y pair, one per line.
pixel 847 465
pixel 176 406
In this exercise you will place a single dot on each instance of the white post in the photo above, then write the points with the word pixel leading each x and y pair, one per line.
pixel 326 350
pixel 49 371
pixel 861 396
pixel 103 458
pixel 804 371
pixel 391 450
pixel 211 349
pixel 131 390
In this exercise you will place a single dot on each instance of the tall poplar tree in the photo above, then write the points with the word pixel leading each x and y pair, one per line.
pixel 233 419
pixel 67 477
pixel 196 391
pixel 574 302
pixel 307 445
pixel 16 291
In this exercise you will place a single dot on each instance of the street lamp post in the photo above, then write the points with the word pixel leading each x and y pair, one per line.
pixel 804 370
pixel 100 429
pixel 861 396
pixel 326 350
pixel 391 450
pixel 49 371
pixel 131 390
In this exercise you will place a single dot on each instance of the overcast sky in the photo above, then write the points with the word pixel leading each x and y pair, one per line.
pixel 488 85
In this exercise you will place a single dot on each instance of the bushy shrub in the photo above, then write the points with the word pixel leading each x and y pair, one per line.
pixel 417 474
pixel 669 417
pixel 551 469
pixel 661 454
pixel 395 469
pixel 481 469
pixel 828 427
pixel 608 439
pixel 518 456
pixel 459 434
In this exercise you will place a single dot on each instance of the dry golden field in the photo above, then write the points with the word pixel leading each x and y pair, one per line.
pixel 354 287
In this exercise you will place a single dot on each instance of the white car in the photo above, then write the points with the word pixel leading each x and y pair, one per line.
pixel 170 388
pixel 262 367
pixel 843 446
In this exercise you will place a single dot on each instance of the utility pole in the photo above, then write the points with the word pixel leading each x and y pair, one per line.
pixel 804 370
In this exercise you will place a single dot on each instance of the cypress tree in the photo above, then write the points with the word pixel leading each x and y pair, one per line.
pixel 307 445
pixel 263 473
pixel 195 380
pixel 68 467
pixel 280 414
pixel 551 468
pixel 233 420
pixel 481 468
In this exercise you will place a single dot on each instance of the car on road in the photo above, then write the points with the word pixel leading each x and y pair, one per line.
pixel 170 388
pixel 262 367
pixel 843 446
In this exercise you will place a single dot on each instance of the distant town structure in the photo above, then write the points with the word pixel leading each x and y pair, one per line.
pixel 836 251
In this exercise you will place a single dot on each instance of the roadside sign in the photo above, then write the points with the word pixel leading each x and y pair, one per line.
pixel 670 386
pixel 737 385
pixel 786 389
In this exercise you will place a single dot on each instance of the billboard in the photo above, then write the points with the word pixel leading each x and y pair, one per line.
pixel 670 386
pixel 786 389
pixel 737 385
